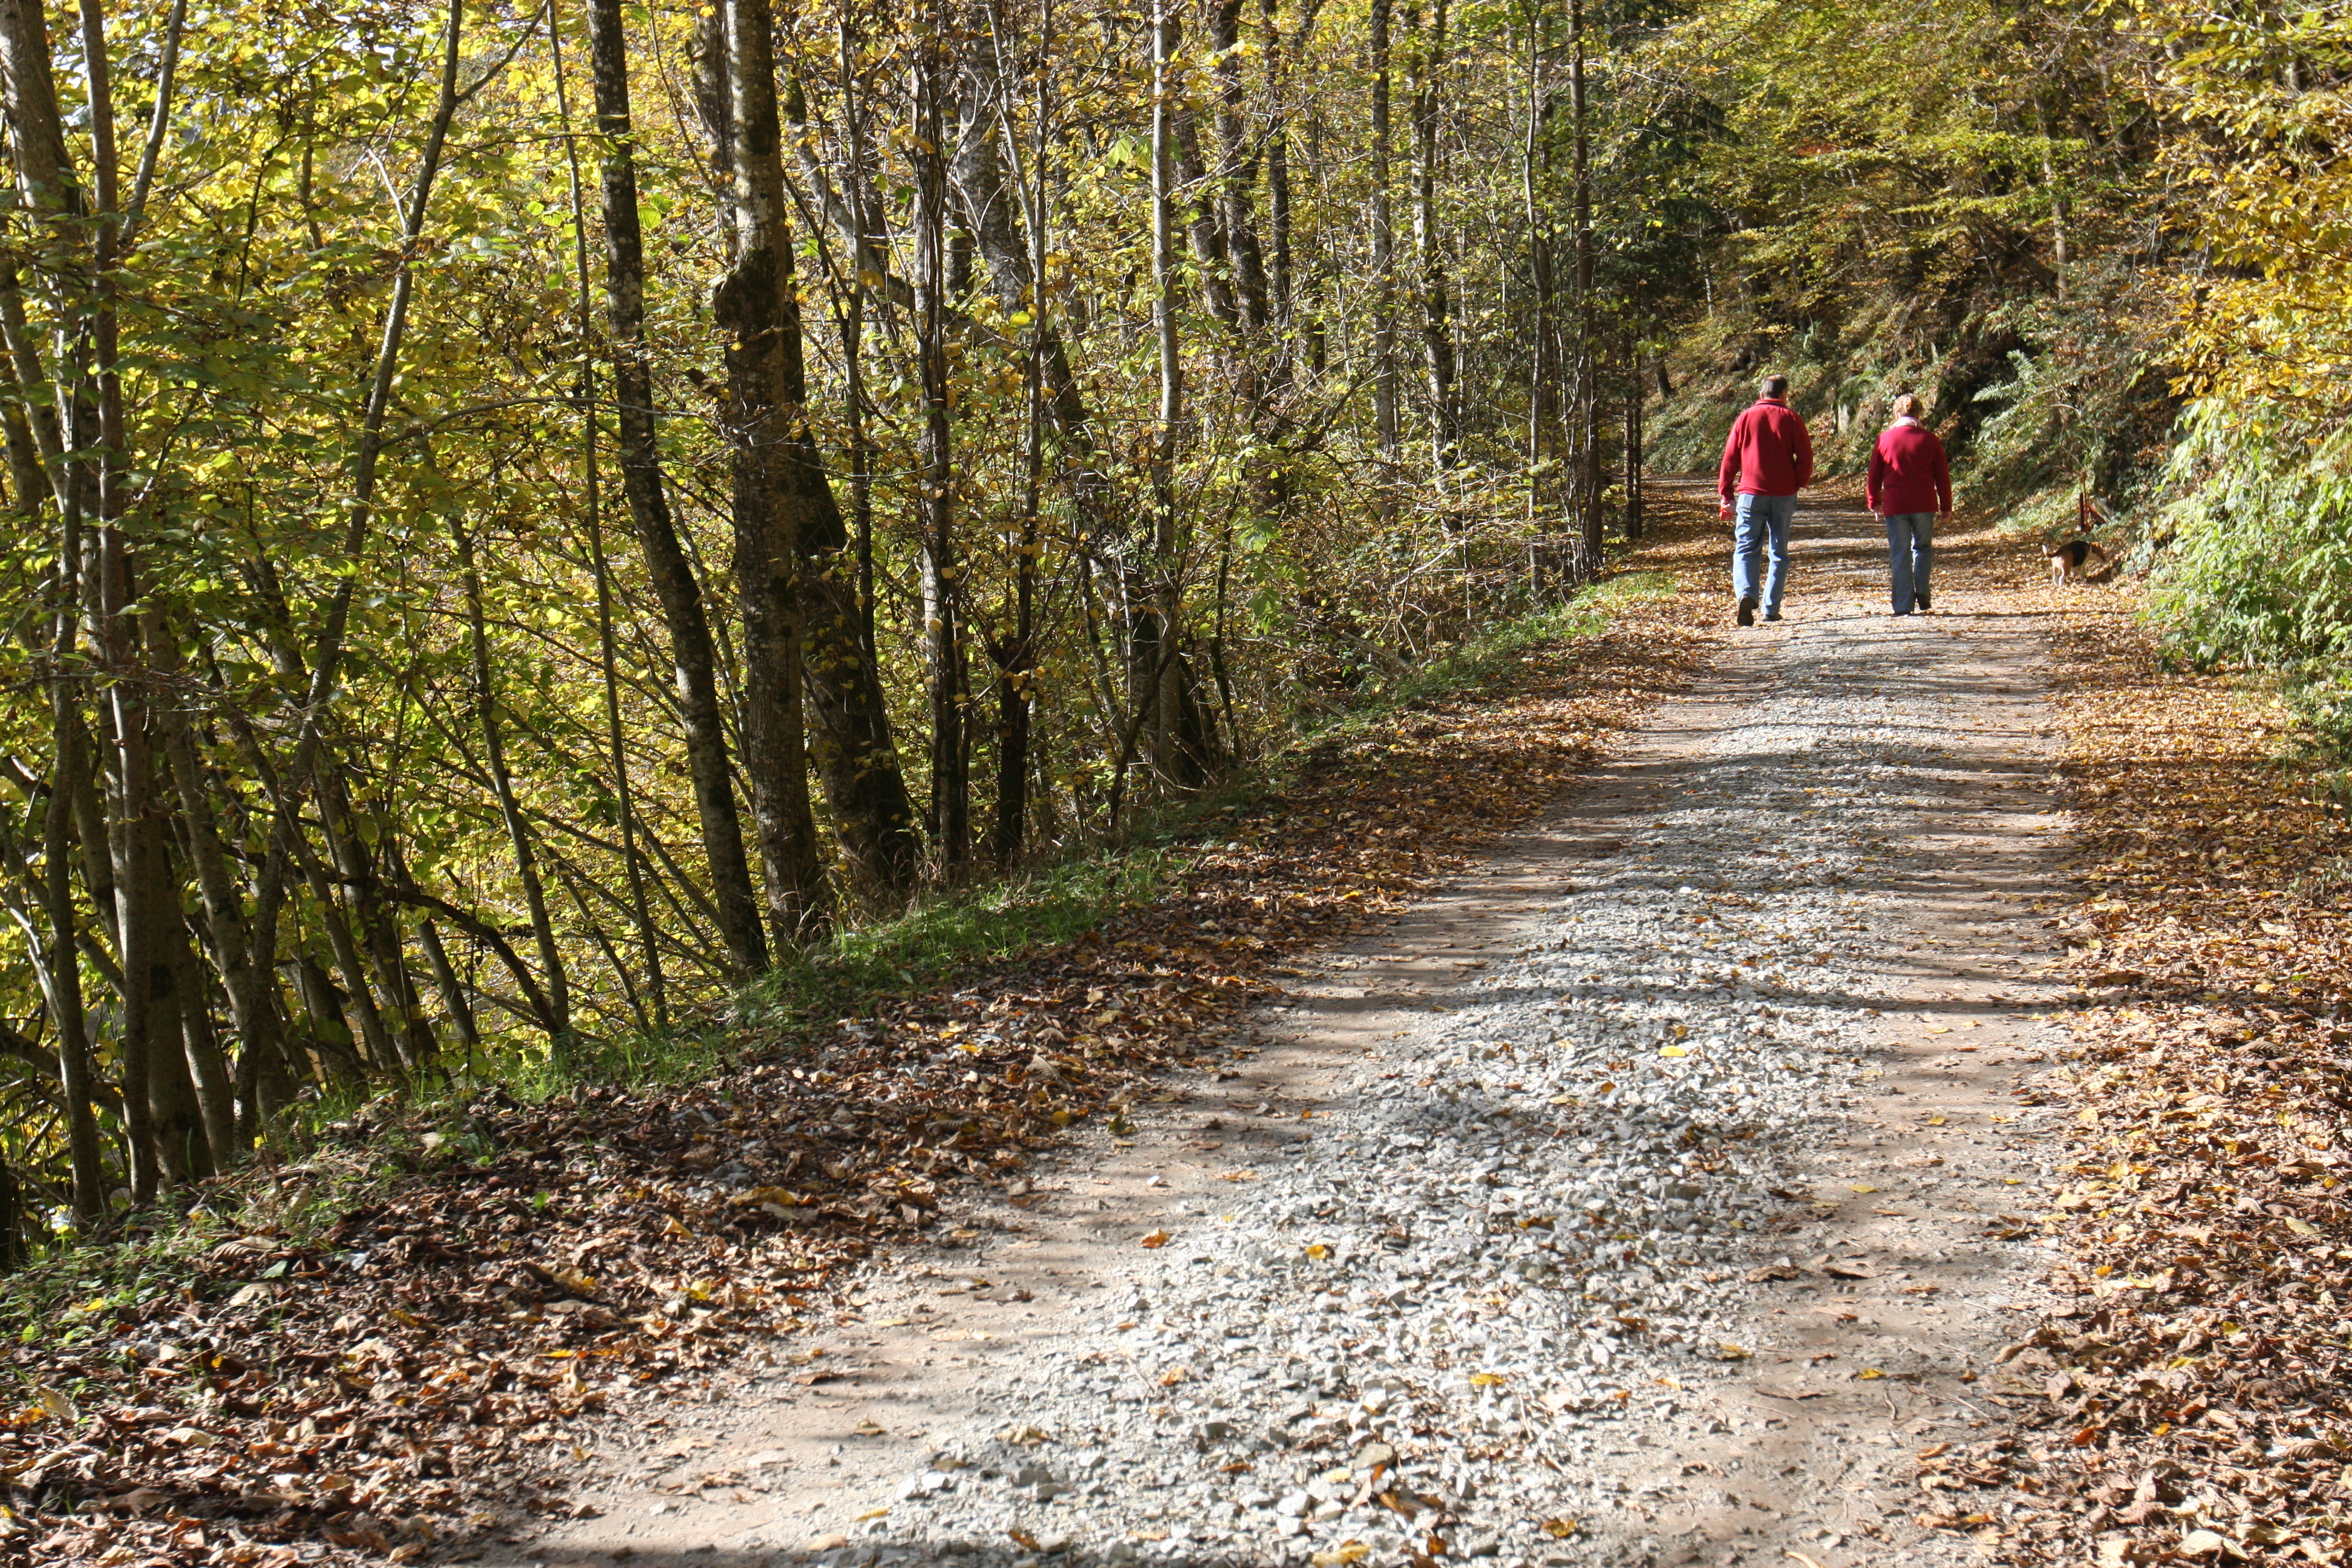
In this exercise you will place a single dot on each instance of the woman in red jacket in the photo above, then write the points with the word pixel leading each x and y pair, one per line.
pixel 1910 486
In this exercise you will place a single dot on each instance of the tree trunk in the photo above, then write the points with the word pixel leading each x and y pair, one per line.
pixel 1237 169
pixel 592 495
pixel 453 994
pixel 772 463
pixel 224 929
pixel 693 657
pixel 849 735
pixel 1632 438
pixel 412 1036
pixel 207 1068
pixel 494 755
pixel 1429 245
pixel 1015 652
pixel 1159 700
pixel 950 811
pixel 62 971
pixel 1384 371
pixel 1588 347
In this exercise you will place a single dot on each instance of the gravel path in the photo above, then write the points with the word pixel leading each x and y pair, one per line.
pixel 1643 1200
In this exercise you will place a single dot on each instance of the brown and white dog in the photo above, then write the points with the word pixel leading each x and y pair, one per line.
pixel 2075 560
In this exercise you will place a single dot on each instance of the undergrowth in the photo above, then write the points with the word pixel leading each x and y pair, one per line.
pixel 333 1153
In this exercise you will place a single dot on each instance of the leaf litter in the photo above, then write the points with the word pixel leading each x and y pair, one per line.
pixel 2187 1393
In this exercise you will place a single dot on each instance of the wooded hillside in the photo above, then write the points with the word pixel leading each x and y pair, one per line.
pixel 520 520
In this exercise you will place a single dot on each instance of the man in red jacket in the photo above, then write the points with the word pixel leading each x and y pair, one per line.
pixel 1910 486
pixel 1768 458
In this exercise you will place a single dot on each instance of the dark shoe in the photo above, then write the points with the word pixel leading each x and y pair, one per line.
pixel 1920 598
pixel 1771 614
pixel 1746 611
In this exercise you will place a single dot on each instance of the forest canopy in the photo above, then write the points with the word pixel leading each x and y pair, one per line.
pixel 519 519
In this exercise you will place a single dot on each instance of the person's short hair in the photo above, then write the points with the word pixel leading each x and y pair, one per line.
pixel 1908 406
pixel 1776 386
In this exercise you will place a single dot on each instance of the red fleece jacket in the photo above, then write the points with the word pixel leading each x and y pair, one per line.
pixel 1768 453
pixel 1908 473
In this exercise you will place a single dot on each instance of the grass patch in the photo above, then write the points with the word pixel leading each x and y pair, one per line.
pixel 1478 662
pixel 953 935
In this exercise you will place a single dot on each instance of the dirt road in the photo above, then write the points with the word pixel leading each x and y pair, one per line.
pixel 1652 1196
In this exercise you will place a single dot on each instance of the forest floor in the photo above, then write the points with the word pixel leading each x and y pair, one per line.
pixel 1630 1108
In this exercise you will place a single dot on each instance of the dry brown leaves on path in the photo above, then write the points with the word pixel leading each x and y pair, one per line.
pixel 2187 1397
pixel 418 1374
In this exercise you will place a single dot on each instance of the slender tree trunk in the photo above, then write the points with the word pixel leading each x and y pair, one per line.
pixel 1632 437
pixel 453 994
pixel 494 755
pixel 1277 173
pixel 2059 256
pixel 45 173
pixel 63 968
pixel 773 461
pixel 1588 347
pixel 12 1220
pixel 1016 653
pixel 204 1066
pixel 1236 170
pixel 133 832
pixel 1159 700
pixel 950 810
pixel 853 349
pixel 1429 243
pixel 354 864
pixel 592 478
pixel 1384 369
pixel 693 656
pixel 225 927
pixel 1543 367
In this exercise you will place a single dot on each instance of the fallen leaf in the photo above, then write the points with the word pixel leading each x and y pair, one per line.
pixel 1157 1238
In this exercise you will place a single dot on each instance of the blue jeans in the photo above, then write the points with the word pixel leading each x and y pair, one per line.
pixel 1761 530
pixel 1910 551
